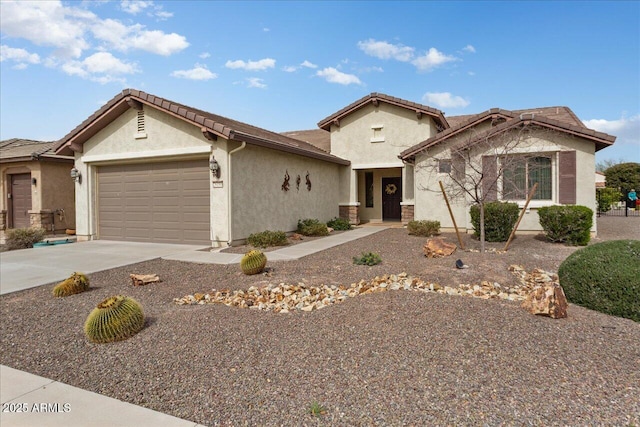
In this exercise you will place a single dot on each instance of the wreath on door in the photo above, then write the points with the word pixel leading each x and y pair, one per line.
pixel 390 189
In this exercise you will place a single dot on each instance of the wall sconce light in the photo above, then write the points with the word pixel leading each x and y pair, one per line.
pixel 215 167
pixel 76 176
pixel 34 181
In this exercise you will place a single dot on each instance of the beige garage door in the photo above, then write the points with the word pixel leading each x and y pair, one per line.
pixel 155 202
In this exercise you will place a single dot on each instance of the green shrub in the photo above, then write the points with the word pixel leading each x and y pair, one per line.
pixel 339 224
pixel 23 238
pixel 568 224
pixel 424 228
pixel 607 197
pixel 312 227
pixel 267 238
pixel 499 219
pixel 368 258
pixel 604 277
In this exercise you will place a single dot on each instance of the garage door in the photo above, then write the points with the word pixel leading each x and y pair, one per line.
pixel 155 202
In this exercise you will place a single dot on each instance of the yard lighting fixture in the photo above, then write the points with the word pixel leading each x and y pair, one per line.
pixel 215 167
pixel 76 176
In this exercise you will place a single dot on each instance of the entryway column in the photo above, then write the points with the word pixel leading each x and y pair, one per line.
pixel 349 208
pixel 408 198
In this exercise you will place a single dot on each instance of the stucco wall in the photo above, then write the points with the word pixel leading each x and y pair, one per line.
pixel 258 201
pixel 430 203
pixel 58 193
pixel 167 138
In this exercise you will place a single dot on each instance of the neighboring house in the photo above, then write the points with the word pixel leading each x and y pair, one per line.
pixel 601 180
pixel 156 170
pixel 37 190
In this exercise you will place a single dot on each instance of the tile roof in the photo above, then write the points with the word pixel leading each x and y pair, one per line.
pixel 376 97
pixel 16 149
pixel 212 125
pixel 561 119
pixel 318 137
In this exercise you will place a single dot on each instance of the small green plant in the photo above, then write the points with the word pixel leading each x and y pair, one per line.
pixel 423 228
pixel 75 284
pixel 267 238
pixel 604 277
pixel 23 238
pixel 368 258
pixel 253 262
pixel 114 319
pixel 569 224
pixel 606 197
pixel 499 219
pixel 312 227
pixel 317 410
pixel 339 224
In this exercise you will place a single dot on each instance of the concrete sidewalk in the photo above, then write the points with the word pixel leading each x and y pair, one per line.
pixel 29 400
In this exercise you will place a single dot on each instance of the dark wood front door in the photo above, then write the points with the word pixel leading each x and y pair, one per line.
pixel 20 201
pixel 391 198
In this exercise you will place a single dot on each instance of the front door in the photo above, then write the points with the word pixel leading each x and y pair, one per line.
pixel 20 201
pixel 391 198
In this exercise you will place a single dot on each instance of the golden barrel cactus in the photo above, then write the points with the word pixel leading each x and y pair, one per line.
pixel 75 284
pixel 253 262
pixel 114 319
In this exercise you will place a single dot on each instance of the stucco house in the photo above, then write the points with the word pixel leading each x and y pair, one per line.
pixel 154 170
pixel 37 190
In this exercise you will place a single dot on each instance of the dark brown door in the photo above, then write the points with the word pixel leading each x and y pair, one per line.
pixel 20 201
pixel 391 198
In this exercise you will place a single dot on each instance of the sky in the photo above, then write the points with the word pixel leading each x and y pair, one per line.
pixel 287 65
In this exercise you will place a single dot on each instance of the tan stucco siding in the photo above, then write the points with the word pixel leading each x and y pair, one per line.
pixel 374 213
pixel 399 127
pixel 430 203
pixel 58 194
pixel 258 201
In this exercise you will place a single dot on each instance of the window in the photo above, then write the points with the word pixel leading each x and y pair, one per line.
pixel 444 166
pixel 368 189
pixel 521 173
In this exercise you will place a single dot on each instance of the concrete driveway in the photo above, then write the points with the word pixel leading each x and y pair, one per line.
pixel 27 268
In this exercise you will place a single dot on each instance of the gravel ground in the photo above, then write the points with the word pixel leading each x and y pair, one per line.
pixel 393 358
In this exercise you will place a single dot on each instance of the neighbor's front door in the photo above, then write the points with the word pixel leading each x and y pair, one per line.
pixel 391 198
pixel 20 200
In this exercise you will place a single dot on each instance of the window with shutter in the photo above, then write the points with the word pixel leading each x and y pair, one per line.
pixel 489 177
pixel 567 177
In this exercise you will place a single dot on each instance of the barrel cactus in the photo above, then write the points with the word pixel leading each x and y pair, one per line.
pixel 114 319
pixel 253 262
pixel 75 284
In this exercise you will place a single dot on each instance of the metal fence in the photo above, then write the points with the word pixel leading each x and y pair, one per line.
pixel 618 208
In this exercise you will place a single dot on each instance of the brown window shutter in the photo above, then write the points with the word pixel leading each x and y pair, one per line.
pixel 489 178
pixel 567 175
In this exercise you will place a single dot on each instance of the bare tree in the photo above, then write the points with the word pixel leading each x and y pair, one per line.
pixel 481 165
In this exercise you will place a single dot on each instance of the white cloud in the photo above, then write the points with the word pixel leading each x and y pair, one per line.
pixel 303 64
pixel 289 69
pixel 386 50
pixel 204 55
pixel 18 55
pixel 432 59
pixel 260 65
pixel 332 75
pixel 101 67
pixel 159 42
pixel 256 82
pixel 20 66
pixel 308 64
pixel 626 129
pixel 469 48
pixel 444 100
pixel 198 72
pixel 135 6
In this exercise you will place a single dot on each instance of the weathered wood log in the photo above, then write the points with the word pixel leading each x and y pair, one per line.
pixel 143 279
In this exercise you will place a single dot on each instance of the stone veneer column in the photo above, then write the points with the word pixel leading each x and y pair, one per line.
pixel 350 213
pixel 3 220
pixel 41 219
pixel 407 214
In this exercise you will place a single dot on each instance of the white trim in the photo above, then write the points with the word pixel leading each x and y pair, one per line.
pixel 408 203
pixel 146 154
pixel 349 204
pixel 377 139
pixel 378 166
pixel 378 127
pixel 140 135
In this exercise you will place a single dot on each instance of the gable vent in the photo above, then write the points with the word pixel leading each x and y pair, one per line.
pixel 141 133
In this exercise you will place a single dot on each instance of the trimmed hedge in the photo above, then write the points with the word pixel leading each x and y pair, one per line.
pixel 267 238
pixel 499 219
pixel 23 238
pixel 567 224
pixel 312 227
pixel 423 228
pixel 339 224
pixel 604 277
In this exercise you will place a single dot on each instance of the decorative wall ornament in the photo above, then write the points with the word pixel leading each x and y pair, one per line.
pixel 285 184
pixel 390 189
pixel 308 182
pixel 298 183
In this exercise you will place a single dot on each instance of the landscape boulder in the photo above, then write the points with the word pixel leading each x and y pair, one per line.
pixel 438 248
pixel 548 300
